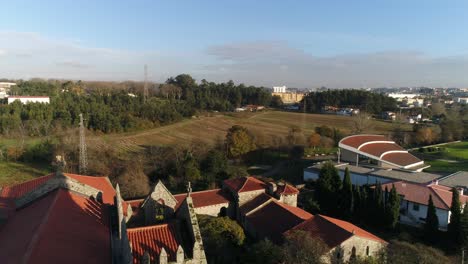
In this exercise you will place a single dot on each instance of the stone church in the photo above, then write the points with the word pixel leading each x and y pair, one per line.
pixel 69 218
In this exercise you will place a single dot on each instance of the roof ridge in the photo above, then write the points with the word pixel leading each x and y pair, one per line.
pixel 245 182
pixel 210 190
pixel 286 207
pixel 373 237
pixel 141 228
pixel 438 196
pixel 40 228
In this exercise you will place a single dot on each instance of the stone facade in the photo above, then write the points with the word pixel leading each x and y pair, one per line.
pixel 212 210
pixel 160 204
pixel 360 246
pixel 290 199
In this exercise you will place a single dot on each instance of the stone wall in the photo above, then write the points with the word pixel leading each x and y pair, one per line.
pixel 289 199
pixel 212 210
pixel 364 247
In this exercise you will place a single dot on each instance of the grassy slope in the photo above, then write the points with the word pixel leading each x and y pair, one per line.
pixel 453 158
pixel 13 172
pixel 212 129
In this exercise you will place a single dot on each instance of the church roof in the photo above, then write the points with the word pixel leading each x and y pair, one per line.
pixel 287 189
pixel 204 198
pixel 274 218
pixel 60 227
pixel 245 184
pixel 333 231
pixel 153 239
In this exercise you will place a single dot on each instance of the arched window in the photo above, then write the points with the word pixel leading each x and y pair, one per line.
pixel 338 255
pixel 367 251
pixel 353 253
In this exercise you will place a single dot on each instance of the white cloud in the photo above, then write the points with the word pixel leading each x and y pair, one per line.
pixel 2 52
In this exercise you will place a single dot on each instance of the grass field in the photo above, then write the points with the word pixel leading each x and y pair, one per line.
pixel 451 158
pixel 212 129
pixel 13 172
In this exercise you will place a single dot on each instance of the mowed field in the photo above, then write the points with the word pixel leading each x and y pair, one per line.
pixel 451 158
pixel 212 129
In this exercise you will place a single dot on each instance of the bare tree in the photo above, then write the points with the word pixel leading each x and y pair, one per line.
pixel 362 122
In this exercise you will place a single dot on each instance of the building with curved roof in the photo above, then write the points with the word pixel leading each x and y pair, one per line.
pixel 378 150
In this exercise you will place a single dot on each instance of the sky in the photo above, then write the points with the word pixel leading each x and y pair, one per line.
pixel 303 44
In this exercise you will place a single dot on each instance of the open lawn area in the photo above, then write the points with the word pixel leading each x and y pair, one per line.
pixel 15 172
pixel 447 158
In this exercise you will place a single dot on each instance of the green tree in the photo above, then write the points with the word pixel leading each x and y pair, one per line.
pixel 328 188
pixel 346 196
pixel 263 252
pixel 222 238
pixel 300 248
pixel 239 141
pixel 393 208
pixel 431 227
pixel 454 227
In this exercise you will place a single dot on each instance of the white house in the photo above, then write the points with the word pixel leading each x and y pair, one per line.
pixel 415 198
pixel 29 99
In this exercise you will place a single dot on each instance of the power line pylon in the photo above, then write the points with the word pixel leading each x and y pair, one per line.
pixel 83 166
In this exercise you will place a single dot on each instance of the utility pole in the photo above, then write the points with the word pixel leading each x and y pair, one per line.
pixel 145 87
pixel 83 166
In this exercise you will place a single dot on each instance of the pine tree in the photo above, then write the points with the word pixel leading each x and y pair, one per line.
pixel 357 203
pixel 454 227
pixel 431 227
pixel 346 196
pixel 393 208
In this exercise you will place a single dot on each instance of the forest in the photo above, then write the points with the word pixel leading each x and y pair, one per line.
pixel 120 107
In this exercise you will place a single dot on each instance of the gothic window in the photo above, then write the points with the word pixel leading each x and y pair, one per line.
pixel 353 253
pixel 367 251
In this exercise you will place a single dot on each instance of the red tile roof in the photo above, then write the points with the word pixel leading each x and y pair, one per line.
pixel 275 218
pixel 204 198
pixel 19 190
pixel 61 227
pixel 441 196
pixel 254 203
pixel 333 231
pixel 287 189
pixel 245 184
pixel 357 140
pixel 378 149
pixel 152 239
pixel 402 159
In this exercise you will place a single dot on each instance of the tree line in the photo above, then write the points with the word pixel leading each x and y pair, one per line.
pixel 109 110
pixel 366 101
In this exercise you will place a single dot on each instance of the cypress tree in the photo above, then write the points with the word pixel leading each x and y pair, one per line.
pixel 328 188
pixel 454 227
pixel 393 208
pixel 346 201
pixel 357 201
pixel 464 225
pixel 431 227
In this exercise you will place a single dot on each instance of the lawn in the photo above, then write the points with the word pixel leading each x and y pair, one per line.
pixel 448 158
pixel 15 172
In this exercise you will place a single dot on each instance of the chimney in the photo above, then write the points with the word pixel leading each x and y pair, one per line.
pixel 460 190
pixel 272 188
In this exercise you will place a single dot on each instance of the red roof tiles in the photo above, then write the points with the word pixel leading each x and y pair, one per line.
pixel 357 140
pixel 287 189
pixel 152 239
pixel 402 159
pixel 333 231
pixel 204 198
pixel 21 189
pixel 378 149
pixel 254 203
pixel 275 218
pixel 416 193
pixel 245 184
pixel 61 227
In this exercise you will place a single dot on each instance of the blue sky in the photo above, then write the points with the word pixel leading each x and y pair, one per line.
pixel 296 43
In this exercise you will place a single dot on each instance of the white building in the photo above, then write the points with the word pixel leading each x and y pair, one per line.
pixel 401 96
pixel 415 199
pixel 29 99
pixel 461 100
pixel 279 89
pixel 5 88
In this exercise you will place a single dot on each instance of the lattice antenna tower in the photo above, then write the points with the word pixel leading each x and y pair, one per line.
pixel 83 166
pixel 145 87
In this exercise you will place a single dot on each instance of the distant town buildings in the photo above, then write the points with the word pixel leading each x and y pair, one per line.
pixel 29 99
pixel 287 97
pixel 5 88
